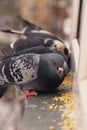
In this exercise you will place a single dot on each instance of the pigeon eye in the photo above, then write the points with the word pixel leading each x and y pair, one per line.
pixel 55 46
pixel 53 62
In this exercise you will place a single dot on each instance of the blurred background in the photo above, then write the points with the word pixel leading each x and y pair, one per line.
pixel 56 17
pixel 52 15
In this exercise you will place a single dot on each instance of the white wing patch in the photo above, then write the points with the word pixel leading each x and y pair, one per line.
pixel 41 31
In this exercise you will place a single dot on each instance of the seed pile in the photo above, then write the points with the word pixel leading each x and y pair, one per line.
pixel 68 102
pixel 67 118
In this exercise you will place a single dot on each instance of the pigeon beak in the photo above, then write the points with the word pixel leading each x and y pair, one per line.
pixel 60 72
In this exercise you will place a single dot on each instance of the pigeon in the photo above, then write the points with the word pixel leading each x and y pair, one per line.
pixel 35 36
pixel 33 41
pixel 39 72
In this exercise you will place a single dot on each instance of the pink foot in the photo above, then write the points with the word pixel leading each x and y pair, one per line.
pixel 29 93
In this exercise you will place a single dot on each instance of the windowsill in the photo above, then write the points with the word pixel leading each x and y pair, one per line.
pixel 83 100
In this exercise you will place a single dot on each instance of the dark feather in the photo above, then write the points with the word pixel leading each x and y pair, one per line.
pixel 3 89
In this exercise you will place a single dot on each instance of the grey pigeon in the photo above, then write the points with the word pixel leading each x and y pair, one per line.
pixel 35 36
pixel 43 72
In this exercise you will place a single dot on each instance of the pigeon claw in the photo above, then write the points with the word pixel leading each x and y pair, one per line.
pixel 28 94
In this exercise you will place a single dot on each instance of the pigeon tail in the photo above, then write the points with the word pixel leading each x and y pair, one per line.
pixel 12 31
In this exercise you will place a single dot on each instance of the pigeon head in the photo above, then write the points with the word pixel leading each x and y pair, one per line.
pixel 60 46
pixel 57 45
pixel 55 62
pixel 52 68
